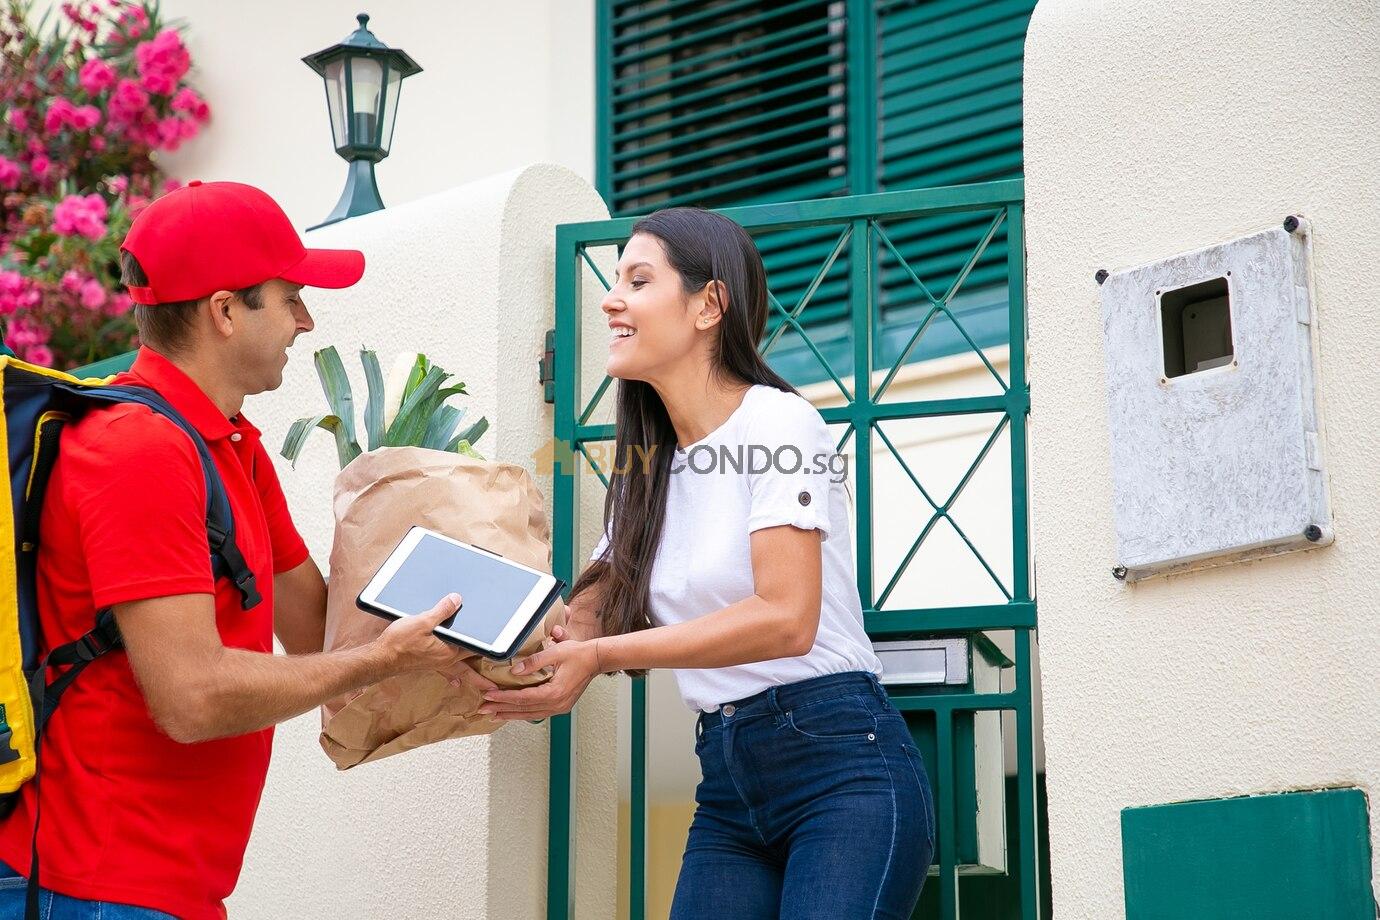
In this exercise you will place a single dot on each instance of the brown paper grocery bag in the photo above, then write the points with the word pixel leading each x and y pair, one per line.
pixel 378 497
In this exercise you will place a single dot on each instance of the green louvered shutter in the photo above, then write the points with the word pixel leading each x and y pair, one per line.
pixel 949 73
pixel 717 104
pixel 725 102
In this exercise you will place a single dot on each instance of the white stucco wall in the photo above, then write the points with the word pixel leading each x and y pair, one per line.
pixel 502 84
pixel 458 829
pixel 1152 129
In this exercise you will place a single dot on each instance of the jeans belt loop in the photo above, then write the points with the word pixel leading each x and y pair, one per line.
pixel 877 689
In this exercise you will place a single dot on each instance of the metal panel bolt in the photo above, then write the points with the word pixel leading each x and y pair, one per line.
pixel 1119 572
pixel 1101 275
pixel 1313 533
pixel 1291 223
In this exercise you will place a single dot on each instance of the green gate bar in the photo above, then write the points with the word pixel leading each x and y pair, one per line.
pixel 858 219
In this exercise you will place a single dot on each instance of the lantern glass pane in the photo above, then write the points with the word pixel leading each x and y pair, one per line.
pixel 335 101
pixel 390 114
pixel 366 78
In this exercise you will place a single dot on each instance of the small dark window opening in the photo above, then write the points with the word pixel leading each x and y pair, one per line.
pixel 1196 321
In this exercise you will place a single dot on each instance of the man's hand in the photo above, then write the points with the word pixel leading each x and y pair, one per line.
pixel 576 663
pixel 408 644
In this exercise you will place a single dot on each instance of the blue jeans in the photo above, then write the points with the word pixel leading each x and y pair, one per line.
pixel 51 906
pixel 815 805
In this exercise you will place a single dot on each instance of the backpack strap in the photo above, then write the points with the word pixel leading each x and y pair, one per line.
pixel 227 561
pixel 75 655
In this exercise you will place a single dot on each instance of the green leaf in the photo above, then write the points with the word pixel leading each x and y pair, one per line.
pixel 463 448
pixel 442 426
pixel 415 414
pixel 373 408
pixel 339 395
pixel 414 379
pixel 469 436
pixel 297 437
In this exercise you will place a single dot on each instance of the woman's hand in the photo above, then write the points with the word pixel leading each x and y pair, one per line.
pixel 576 663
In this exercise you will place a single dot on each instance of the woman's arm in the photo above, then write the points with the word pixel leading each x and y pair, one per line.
pixel 779 620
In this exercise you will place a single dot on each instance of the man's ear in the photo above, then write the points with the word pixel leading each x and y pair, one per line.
pixel 715 305
pixel 219 311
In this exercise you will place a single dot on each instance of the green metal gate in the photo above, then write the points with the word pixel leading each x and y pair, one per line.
pixel 866 251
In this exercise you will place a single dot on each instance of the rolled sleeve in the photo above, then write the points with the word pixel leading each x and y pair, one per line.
pixel 791 484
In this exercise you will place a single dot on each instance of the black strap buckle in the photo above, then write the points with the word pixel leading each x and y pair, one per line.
pixel 93 645
pixel 216 535
pixel 249 589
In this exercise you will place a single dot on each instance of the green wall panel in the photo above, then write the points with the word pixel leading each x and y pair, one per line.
pixel 1292 856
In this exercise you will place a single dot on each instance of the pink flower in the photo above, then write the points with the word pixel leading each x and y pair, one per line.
pixel 158 83
pixel 162 62
pixel 80 215
pixel 118 305
pixel 97 143
pixel 96 75
pixel 188 101
pixel 41 355
pixel 118 184
pixel 9 173
pixel 25 333
pixel 40 165
pixel 18 120
pixel 60 113
pixel 12 291
pixel 169 133
pixel 71 282
pixel 136 19
pixel 85 117
pixel 128 102
pixel 92 295
pixel 146 133
pixel 171 185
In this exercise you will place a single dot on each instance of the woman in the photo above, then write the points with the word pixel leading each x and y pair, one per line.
pixel 727 557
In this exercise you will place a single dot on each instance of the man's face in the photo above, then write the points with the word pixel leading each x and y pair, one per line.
pixel 264 335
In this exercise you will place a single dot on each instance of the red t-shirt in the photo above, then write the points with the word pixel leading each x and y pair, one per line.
pixel 129 815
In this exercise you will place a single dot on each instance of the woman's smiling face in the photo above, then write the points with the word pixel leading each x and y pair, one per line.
pixel 652 320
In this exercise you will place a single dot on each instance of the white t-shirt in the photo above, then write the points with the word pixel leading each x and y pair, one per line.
pixel 721 489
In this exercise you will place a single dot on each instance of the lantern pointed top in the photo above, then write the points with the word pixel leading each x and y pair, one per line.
pixel 362 37
pixel 362 40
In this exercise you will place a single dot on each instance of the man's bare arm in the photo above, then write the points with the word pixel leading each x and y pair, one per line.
pixel 299 609
pixel 197 689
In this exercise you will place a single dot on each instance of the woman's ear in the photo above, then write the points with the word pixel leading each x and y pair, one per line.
pixel 715 305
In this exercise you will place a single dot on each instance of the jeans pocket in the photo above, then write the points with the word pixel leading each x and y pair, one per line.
pixel 846 718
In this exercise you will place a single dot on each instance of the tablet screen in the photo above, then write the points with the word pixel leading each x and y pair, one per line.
pixel 491 590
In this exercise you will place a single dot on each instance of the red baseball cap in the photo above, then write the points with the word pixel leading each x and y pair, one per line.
pixel 224 236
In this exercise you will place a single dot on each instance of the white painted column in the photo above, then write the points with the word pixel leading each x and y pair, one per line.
pixel 458 829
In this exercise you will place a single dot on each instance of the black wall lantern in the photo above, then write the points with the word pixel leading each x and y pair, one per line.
pixel 363 82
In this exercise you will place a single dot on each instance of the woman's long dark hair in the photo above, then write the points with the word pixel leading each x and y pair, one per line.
pixel 701 246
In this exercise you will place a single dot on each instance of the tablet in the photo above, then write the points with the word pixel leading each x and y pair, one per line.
pixel 501 600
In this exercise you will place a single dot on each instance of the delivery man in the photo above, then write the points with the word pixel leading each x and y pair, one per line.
pixel 153 767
